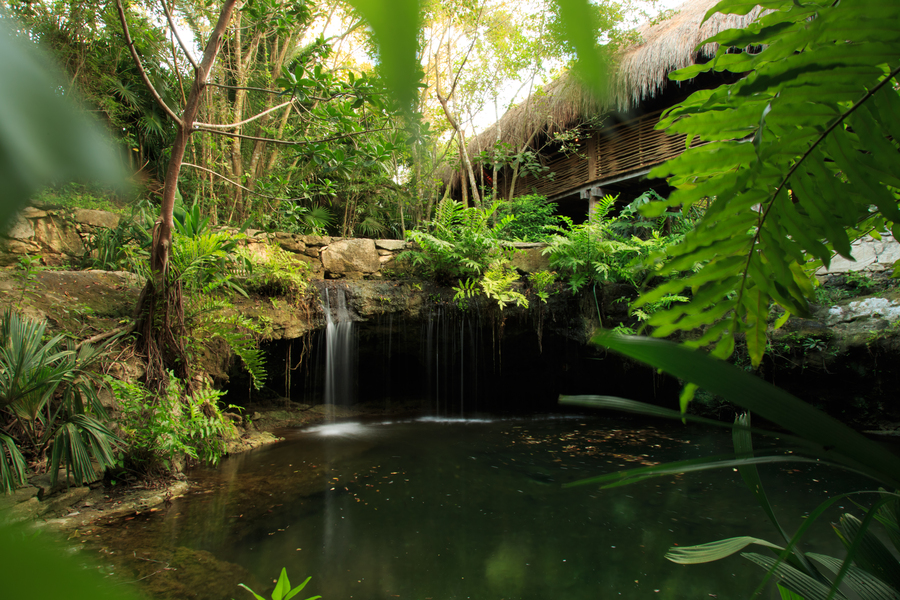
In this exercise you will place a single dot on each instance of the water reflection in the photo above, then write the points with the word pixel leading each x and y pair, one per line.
pixel 475 509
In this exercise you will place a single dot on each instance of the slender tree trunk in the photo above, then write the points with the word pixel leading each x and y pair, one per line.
pixel 496 170
pixel 463 152
pixel 161 323
pixel 255 169
pixel 515 176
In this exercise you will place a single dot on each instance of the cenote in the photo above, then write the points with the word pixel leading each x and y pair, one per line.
pixel 446 509
pixel 461 492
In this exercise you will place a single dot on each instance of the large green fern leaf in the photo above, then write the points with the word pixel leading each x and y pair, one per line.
pixel 802 157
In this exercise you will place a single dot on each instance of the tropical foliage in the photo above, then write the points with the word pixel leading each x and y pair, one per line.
pixel 600 250
pixel 462 242
pixel 813 437
pixel 52 415
pixel 534 219
pixel 160 432
pixel 872 574
pixel 799 157
pixel 283 590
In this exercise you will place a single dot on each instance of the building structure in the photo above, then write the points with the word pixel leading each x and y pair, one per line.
pixel 597 146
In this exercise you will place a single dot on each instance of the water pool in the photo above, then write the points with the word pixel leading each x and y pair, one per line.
pixel 451 509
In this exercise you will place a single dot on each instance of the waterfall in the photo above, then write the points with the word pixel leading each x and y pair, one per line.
pixel 340 350
pixel 453 360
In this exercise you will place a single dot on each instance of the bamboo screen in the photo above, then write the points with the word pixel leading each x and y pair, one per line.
pixel 634 145
pixel 569 171
pixel 618 150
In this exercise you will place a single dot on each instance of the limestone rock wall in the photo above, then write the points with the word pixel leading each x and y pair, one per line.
pixel 873 256
pixel 59 236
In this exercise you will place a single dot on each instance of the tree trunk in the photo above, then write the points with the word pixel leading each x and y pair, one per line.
pixel 161 322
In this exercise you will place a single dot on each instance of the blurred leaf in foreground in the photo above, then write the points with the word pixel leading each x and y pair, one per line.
pixel 44 138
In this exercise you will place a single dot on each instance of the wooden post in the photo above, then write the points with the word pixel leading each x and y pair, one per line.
pixel 591 195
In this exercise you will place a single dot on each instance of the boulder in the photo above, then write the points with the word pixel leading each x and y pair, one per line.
pixel 290 242
pixel 316 240
pixel 392 245
pixel 21 229
pixel 96 218
pixel 869 254
pixel 869 308
pixel 30 212
pixel 11 250
pixel 529 259
pixel 351 256
pixel 59 236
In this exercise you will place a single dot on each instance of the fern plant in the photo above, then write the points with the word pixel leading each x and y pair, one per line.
pixel 279 273
pixel 462 242
pixel 593 252
pixel 159 431
pixel 209 318
pixel 801 156
pixel 497 284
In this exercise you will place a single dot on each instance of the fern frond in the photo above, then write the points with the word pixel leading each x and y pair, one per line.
pixel 798 152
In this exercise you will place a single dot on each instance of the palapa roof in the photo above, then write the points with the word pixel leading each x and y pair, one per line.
pixel 640 72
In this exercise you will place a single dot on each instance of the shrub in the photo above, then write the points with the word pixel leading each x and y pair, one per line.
pixel 159 431
pixel 594 252
pixel 50 405
pixel 533 219
pixel 461 244
pixel 279 274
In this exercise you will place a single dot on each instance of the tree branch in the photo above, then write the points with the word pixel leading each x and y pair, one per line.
pixel 220 176
pixel 287 142
pixel 238 87
pixel 140 67
pixel 177 35
pixel 117 332
pixel 244 122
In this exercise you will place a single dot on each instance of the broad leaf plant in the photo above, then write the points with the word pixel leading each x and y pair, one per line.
pixel 798 158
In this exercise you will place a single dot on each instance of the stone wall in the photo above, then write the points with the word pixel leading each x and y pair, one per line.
pixel 59 236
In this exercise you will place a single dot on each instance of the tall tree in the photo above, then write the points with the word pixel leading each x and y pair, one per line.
pixel 161 324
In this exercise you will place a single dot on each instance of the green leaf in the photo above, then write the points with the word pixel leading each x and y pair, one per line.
pixel 871 555
pixel 395 26
pixel 25 555
pixel 757 308
pixel 787 594
pixel 43 138
pixel 13 468
pixel 282 587
pixel 299 589
pixel 831 437
pixel 868 586
pixel 255 595
pixel 793 579
pixel 704 553
pixel 581 27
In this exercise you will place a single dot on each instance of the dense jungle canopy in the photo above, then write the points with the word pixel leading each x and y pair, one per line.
pixel 295 130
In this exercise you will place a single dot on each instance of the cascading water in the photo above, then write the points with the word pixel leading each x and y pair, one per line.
pixel 340 349
pixel 454 362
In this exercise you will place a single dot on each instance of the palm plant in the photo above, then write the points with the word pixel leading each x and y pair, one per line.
pixel 50 402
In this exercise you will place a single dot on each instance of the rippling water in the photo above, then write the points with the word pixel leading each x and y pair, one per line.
pixel 465 508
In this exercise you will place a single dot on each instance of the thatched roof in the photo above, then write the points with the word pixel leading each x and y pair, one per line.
pixel 640 73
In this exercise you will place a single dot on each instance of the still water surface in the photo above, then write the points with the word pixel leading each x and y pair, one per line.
pixel 436 509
